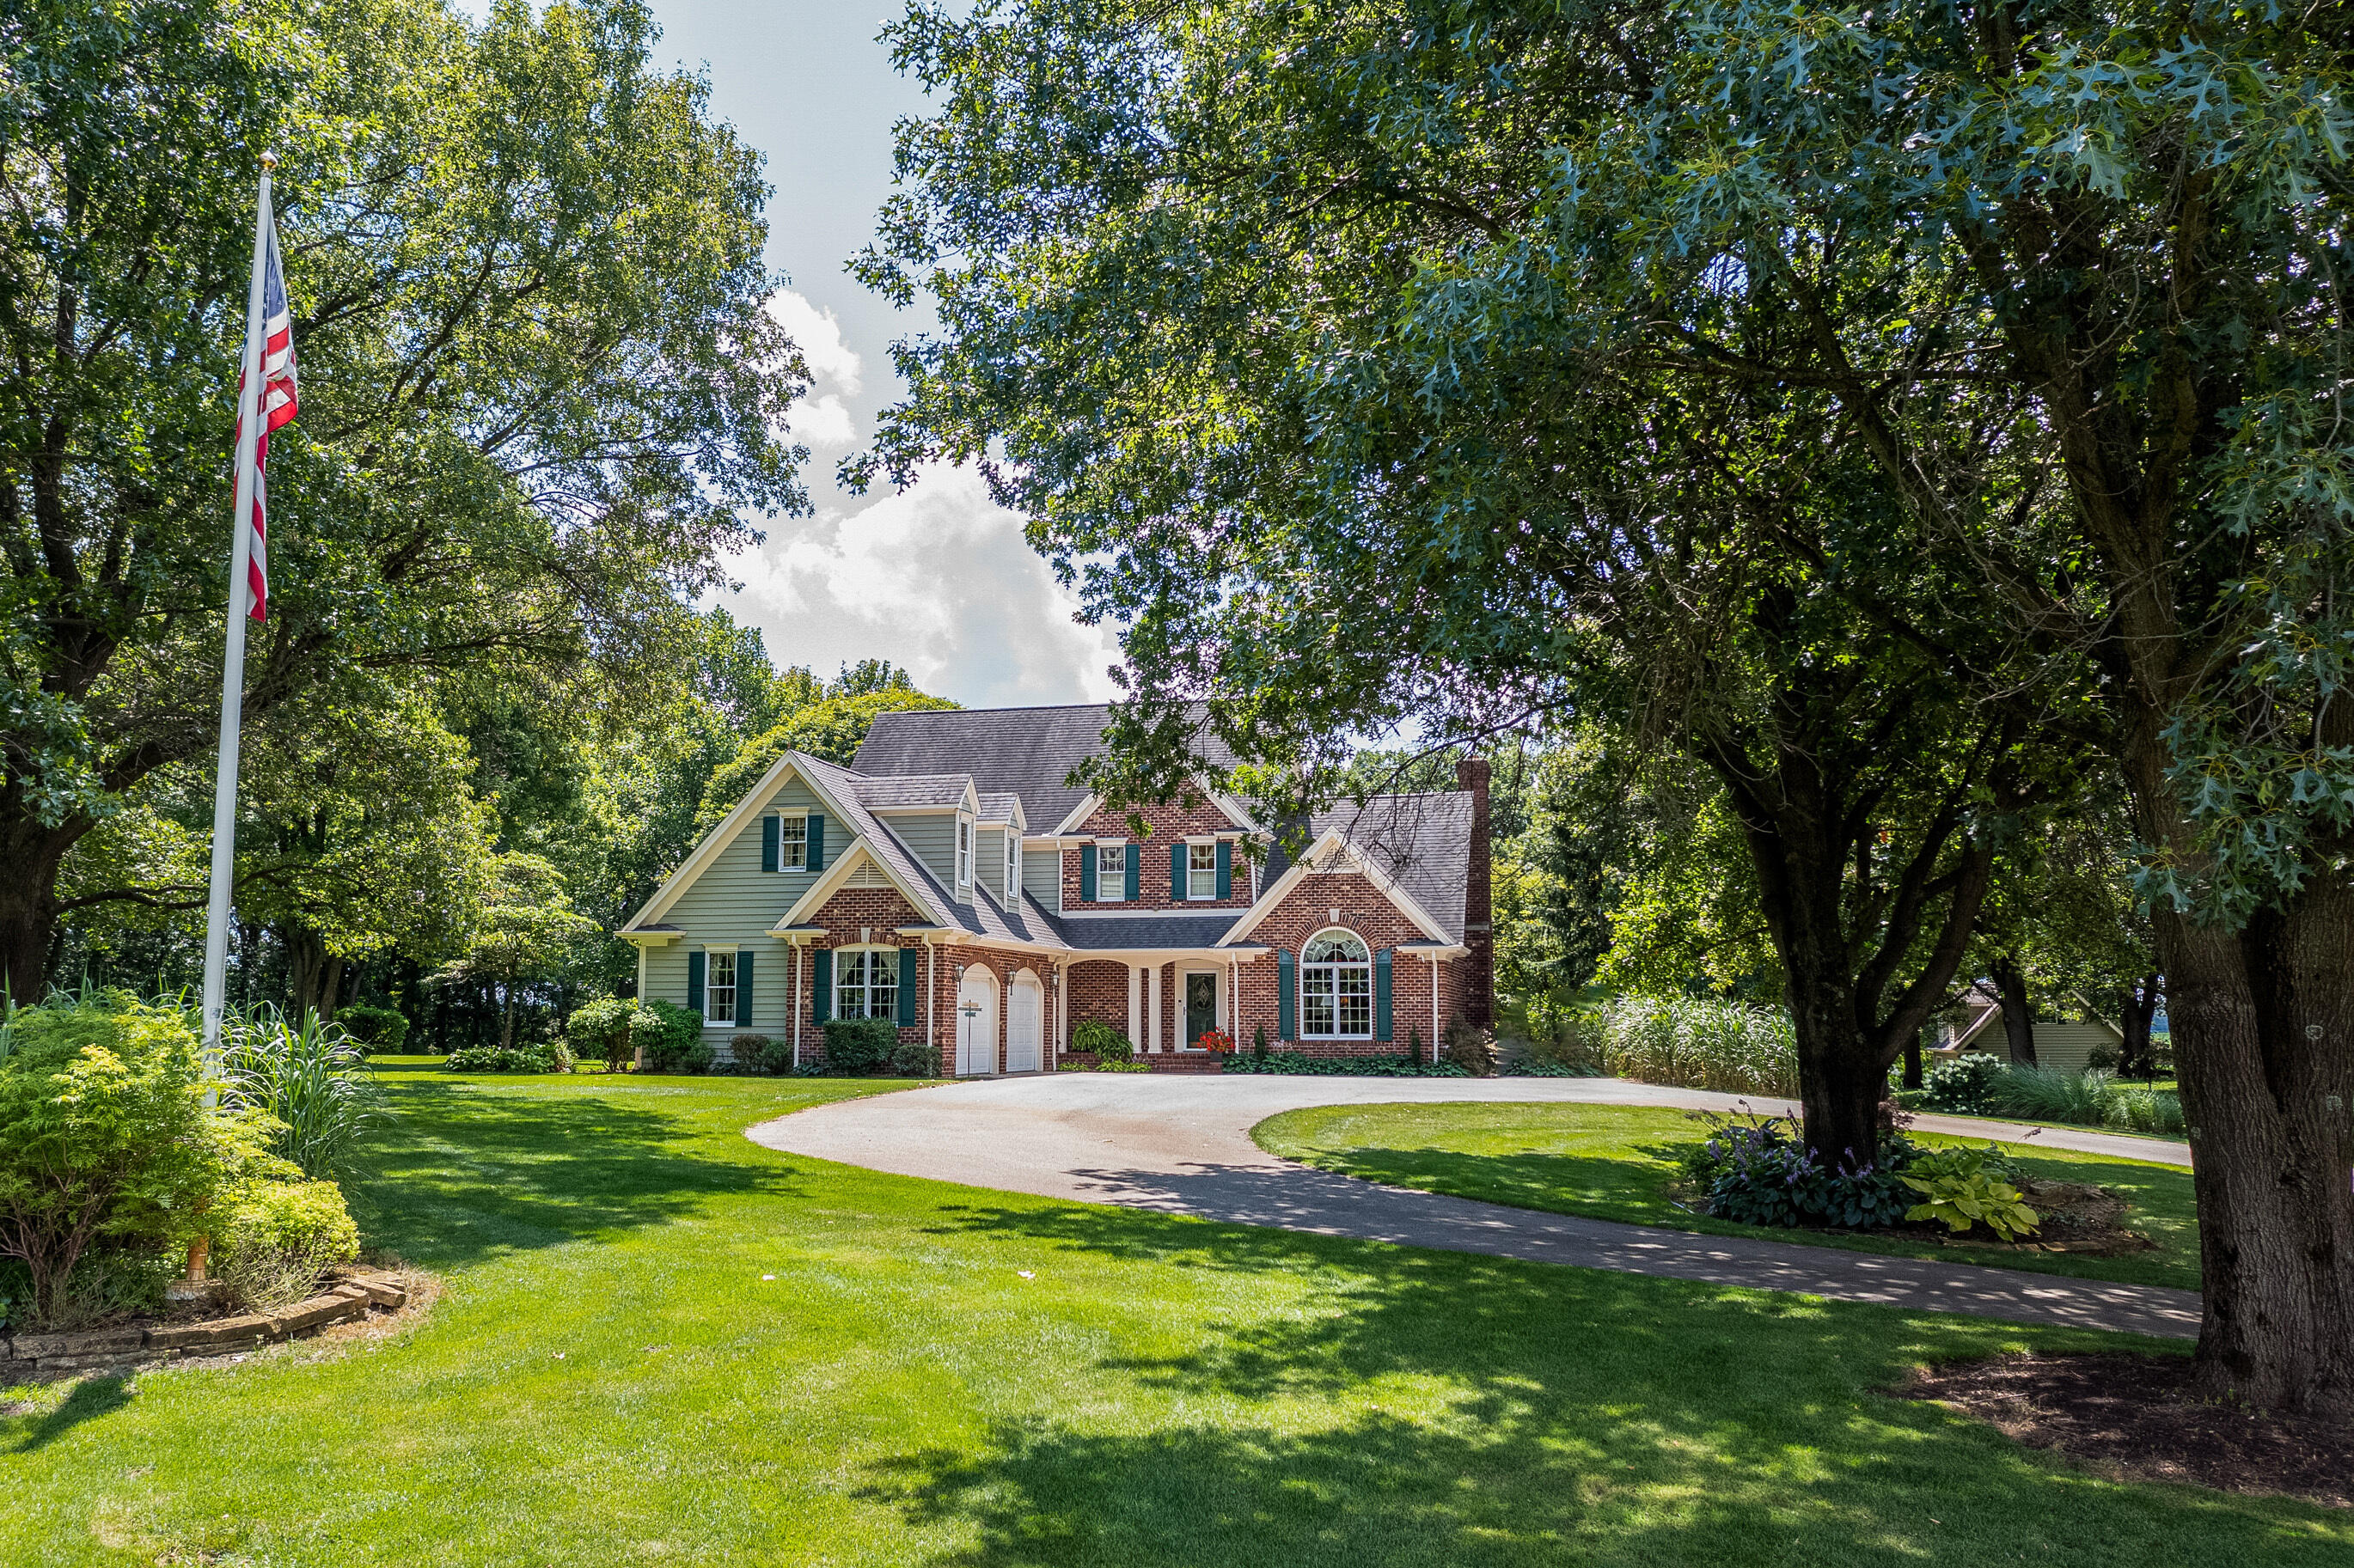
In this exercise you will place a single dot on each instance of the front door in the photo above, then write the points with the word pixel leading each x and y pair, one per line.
pixel 1201 1008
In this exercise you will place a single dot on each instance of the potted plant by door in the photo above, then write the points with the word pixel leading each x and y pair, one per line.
pixel 1217 1042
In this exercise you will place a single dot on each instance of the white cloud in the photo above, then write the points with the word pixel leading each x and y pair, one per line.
pixel 832 363
pixel 823 423
pixel 937 580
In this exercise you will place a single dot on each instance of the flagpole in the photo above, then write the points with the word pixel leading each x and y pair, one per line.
pixel 240 559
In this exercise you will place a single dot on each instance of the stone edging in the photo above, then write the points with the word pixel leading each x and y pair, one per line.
pixel 29 1356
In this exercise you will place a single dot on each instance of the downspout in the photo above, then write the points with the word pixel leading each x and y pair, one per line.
pixel 798 1008
pixel 1434 1009
pixel 931 998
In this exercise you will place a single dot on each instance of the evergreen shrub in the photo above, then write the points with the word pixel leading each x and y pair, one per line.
pixel 377 1031
pixel 856 1047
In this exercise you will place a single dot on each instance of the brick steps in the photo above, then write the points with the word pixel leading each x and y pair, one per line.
pixel 1190 1062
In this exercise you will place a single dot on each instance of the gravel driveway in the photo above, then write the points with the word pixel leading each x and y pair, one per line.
pixel 1181 1144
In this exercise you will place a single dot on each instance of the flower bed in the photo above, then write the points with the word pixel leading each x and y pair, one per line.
pixel 38 1357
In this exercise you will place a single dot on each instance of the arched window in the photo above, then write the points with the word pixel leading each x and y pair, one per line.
pixel 1336 988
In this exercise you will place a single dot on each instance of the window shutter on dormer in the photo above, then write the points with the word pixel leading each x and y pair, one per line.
pixel 906 987
pixel 816 844
pixel 1088 872
pixel 820 984
pixel 1135 870
pixel 1226 868
pixel 1382 994
pixel 1177 872
pixel 694 982
pixel 744 986
pixel 768 843
pixel 1283 977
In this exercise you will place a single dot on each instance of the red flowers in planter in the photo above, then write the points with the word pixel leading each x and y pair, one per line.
pixel 1216 1040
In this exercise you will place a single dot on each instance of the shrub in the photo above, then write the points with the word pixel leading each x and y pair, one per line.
pixel 1964 1085
pixel 2050 1094
pixel 2132 1110
pixel 1473 1050
pixel 759 1053
pixel 915 1060
pixel 2104 1058
pixel 1538 1067
pixel 1700 1045
pixel 857 1046
pixel 600 1029
pixel 1758 1171
pixel 1966 1187
pixel 278 1237
pixel 103 1138
pixel 312 1078
pixel 540 1056
pixel 1106 1045
pixel 1294 1062
pixel 670 1036
pixel 1258 1043
pixel 377 1031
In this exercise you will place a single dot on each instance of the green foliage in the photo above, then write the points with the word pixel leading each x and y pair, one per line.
pixel 856 1046
pixel 831 730
pixel 532 1057
pixel 760 1054
pixel 1970 1186
pixel 1966 1084
pixel 1104 1044
pixel 914 1059
pixel 377 1031
pixel 506 242
pixel 278 1237
pixel 1299 1063
pixel 1698 1044
pixel 1757 1170
pixel 102 1135
pixel 670 1036
pixel 2090 1098
pixel 600 1030
pixel 310 1078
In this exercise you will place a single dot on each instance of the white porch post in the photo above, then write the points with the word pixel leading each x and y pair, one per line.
pixel 1152 1008
pixel 1135 1013
pixel 1434 1009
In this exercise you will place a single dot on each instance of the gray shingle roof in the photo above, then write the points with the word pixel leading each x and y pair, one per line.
pixel 1025 751
pixel 1166 931
pixel 1003 806
pixel 1423 843
pixel 910 789
pixel 885 844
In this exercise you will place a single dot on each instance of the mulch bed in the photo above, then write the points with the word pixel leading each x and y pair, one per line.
pixel 2135 1417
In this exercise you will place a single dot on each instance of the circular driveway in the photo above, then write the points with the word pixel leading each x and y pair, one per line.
pixel 1179 1143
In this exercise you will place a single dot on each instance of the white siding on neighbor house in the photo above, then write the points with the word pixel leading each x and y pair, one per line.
pixel 1042 876
pixel 2063 1046
pixel 735 903
pixel 931 837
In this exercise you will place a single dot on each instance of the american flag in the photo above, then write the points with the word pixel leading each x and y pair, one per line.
pixel 277 408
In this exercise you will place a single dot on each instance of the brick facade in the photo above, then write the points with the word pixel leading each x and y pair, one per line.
pixel 1366 910
pixel 1169 824
pixel 852 918
pixel 1099 990
pixel 953 960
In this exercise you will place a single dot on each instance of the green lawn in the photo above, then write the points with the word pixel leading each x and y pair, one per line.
pixel 610 1380
pixel 1617 1162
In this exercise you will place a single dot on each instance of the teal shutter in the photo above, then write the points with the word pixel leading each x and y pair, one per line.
pixel 1382 994
pixel 1177 874
pixel 820 984
pixel 816 844
pixel 769 843
pixel 1135 867
pixel 906 987
pixel 1226 868
pixel 1283 1003
pixel 694 982
pixel 744 985
pixel 1087 872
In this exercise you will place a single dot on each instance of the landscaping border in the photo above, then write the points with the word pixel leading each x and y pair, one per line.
pixel 38 1358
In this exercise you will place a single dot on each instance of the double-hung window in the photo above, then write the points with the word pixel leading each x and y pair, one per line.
pixel 1336 988
pixel 1201 871
pixel 1111 873
pixel 866 983
pixel 1013 866
pixel 792 844
pixel 719 989
pixel 964 853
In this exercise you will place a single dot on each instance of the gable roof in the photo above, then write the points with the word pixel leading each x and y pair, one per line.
pixel 937 792
pixel 1026 752
pixel 1420 843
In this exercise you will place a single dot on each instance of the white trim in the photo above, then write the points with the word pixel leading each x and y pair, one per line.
pixel 1232 808
pixel 1177 1000
pixel 1332 844
pixel 1140 912
pixel 782 869
pixel 833 1003
pixel 755 802
pixel 857 853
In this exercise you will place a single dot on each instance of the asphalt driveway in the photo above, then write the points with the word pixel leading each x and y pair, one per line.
pixel 1181 1144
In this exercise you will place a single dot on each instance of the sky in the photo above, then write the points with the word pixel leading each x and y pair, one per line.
pixel 934 578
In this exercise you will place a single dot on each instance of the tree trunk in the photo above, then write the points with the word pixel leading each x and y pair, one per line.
pixel 331 982
pixel 306 955
pixel 2136 1006
pixel 2017 1015
pixel 506 1016
pixel 29 858
pixel 1913 1061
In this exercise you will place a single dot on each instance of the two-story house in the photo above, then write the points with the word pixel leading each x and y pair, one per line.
pixel 950 880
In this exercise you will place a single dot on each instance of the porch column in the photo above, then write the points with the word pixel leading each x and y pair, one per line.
pixel 1135 1013
pixel 1152 1008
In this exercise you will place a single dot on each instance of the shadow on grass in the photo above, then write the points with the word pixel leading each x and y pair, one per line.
pixel 91 1398
pixel 1453 1409
pixel 463 1174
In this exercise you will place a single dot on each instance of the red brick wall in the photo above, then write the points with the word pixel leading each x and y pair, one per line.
pixel 1364 909
pixel 879 910
pixel 1099 990
pixel 1169 824
pixel 953 962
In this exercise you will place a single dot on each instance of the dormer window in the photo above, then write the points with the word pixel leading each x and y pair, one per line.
pixel 1012 865
pixel 964 852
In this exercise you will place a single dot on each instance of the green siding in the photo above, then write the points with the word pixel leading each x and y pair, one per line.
pixel 1041 875
pixel 734 901
pixel 931 837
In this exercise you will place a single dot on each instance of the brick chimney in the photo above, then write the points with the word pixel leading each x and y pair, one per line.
pixel 1479 929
